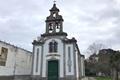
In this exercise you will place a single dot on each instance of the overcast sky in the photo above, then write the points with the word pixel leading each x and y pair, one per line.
pixel 88 21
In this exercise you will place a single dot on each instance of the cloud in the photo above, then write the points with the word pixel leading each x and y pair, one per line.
pixel 88 20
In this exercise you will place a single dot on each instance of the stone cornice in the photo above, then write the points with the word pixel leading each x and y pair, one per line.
pixel 73 40
pixel 37 42
pixel 54 34
pixel 82 56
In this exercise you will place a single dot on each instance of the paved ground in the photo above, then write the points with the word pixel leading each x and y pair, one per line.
pixel 89 78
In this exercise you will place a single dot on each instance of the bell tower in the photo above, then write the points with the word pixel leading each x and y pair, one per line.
pixel 54 22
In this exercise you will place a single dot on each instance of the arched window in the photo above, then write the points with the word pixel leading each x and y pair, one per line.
pixel 53 46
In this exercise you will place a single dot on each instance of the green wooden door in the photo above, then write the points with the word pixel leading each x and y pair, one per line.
pixel 53 70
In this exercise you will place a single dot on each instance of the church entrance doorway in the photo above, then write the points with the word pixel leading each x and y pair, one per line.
pixel 53 72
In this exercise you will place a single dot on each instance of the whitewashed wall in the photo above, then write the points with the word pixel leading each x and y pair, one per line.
pixel 18 61
pixel 23 63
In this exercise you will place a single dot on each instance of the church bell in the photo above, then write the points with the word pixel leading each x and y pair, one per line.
pixel 50 28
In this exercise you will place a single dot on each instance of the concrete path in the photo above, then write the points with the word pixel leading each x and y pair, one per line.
pixel 89 78
pixel 85 78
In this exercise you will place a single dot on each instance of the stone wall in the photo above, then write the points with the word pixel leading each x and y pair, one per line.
pixel 22 77
pixel 61 78
pixel 6 77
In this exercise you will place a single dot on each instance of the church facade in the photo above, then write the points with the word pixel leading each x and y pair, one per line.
pixel 55 57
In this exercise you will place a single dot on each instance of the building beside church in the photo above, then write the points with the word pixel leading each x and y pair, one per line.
pixel 55 57
pixel 14 62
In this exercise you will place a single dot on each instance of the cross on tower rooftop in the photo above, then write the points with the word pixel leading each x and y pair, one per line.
pixel 54 1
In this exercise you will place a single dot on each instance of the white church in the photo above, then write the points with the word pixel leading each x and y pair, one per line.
pixel 55 57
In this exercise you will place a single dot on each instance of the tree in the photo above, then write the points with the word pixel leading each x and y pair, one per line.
pixel 115 64
pixel 103 62
pixel 90 69
pixel 95 47
pixel 92 64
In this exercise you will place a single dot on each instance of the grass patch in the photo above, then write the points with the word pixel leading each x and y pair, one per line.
pixel 103 78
